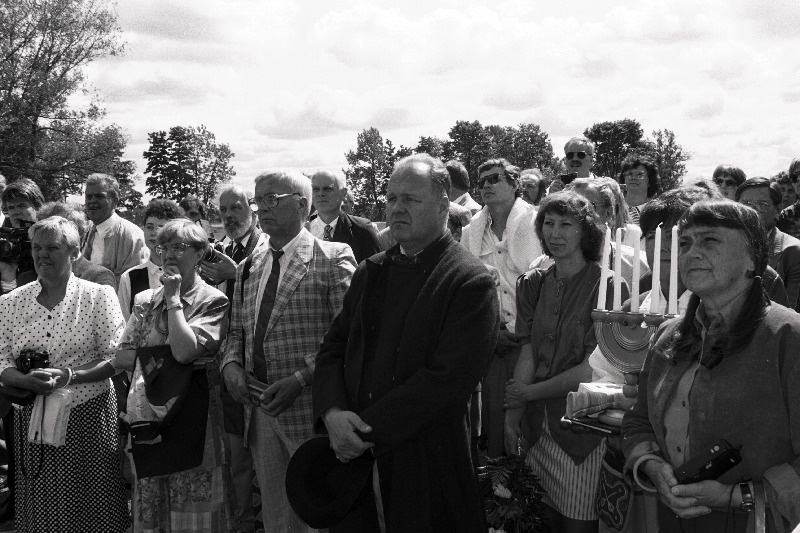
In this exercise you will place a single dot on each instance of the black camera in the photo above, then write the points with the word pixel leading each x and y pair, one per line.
pixel 31 359
pixel 211 255
pixel 15 246
pixel 144 431
pixel 566 179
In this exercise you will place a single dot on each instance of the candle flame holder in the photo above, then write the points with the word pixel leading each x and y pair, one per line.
pixel 624 337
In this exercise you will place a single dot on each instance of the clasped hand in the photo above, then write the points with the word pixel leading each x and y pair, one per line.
pixel 690 500
pixel 516 395
pixel 342 427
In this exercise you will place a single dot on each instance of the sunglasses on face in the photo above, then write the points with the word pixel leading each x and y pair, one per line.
pixel 795 177
pixel 492 179
pixel 571 155
pixel 724 183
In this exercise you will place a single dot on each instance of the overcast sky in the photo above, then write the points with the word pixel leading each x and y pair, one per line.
pixel 291 83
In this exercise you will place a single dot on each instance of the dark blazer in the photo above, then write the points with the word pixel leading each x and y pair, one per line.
pixel 359 234
pixel 255 235
pixel 420 426
pixel 784 257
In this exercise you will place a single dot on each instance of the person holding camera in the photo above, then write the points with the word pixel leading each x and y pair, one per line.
pixel 723 376
pixel 20 199
pixel 188 317
pixel 58 336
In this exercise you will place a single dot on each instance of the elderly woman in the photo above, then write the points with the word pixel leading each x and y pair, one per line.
pixel 68 472
pixel 189 317
pixel 83 268
pixel 554 321
pixel 691 392
pixel 639 176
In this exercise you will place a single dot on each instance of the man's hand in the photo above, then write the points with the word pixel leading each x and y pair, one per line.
pixel 342 427
pixel 8 271
pixel 516 394
pixel 225 269
pixel 683 500
pixel 630 390
pixel 236 382
pixel 280 395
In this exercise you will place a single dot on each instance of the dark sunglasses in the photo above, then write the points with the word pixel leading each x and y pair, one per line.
pixel 493 179
pixel 795 177
pixel 724 183
pixel 571 155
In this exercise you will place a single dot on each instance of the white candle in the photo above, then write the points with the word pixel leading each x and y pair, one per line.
pixel 673 273
pixel 604 270
pixel 618 272
pixel 655 292
pixel 637 250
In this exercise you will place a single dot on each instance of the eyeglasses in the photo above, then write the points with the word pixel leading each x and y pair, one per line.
pixel 761 204
pixel 493 179
pixel 638 175
pixel 271 200
pixel 571 155
pixel 719 182
pixel 177 249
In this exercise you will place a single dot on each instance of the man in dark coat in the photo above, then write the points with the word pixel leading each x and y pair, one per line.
pixel 396 369
pixel 329 190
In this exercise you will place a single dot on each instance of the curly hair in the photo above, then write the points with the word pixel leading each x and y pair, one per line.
pixel 163 209
pixel 573 205
pixel 635 161
pixel 511 172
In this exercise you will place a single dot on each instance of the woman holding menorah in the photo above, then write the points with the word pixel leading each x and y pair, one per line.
pixel 554 316
pixel 721 380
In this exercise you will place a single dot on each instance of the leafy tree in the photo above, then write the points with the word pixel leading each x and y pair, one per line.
pixel 669 157
pixel 471 145
pixel 435 147
pixel 533 149
pixel 186 160
pixel 613 141
pixel 44 48
pixel 370 166
pixel 501 140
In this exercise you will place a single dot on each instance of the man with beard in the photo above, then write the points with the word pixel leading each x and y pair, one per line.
pixel 112 241
pixel 243 236
pixel 784 250
pixel 578 158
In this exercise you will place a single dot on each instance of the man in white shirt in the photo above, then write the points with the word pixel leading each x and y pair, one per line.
pixel 112 241
pixel 503 236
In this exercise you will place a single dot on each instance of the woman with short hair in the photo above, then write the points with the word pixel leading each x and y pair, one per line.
pixel 728 369
pixel 66 442
pixel 554 322
pixel 188 317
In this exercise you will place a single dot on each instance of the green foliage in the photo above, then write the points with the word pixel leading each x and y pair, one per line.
pixel 44 47
pixel 512 495
pixel 613 141
pixel 187 160
pixel 368 171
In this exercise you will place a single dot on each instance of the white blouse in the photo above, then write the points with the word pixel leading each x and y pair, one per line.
pixel 84 326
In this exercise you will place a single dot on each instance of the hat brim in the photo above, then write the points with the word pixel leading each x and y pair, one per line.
pixel 320 488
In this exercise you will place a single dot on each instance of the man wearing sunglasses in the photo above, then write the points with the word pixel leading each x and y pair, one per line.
pixel 503 236
pixel 285 298
pixel 579 156
pixel 789 219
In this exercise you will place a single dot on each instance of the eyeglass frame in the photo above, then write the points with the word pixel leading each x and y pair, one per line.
pixel 569 156
pixel 724 182
pixel 274 199
pixel 161 249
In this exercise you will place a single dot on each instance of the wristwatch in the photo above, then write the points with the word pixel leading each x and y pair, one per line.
pixel 748 502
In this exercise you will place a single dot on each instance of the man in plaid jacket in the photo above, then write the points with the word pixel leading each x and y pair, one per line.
pixel 285 298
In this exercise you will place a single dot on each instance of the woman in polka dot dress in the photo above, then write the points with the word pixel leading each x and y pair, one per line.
pixel 66 480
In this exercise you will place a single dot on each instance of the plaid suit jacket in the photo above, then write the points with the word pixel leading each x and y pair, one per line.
pixel 309 296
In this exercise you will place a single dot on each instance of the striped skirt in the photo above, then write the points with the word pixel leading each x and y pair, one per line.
pixel 571 489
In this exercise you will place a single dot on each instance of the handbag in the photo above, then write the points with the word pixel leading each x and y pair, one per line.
pixel 176 441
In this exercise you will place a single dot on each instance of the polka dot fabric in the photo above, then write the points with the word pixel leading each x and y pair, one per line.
pixel 86 325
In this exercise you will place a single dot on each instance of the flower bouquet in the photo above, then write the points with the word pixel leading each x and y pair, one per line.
pixel 512 495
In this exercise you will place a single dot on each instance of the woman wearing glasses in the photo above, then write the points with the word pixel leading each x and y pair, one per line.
pixel 639 176
pixel 191 318
pixel 727 178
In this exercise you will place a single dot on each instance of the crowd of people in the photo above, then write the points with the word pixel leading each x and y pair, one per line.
pixel 156 379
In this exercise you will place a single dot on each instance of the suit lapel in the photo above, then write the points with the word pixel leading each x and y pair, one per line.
pixel 343 232
pixel 295 272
